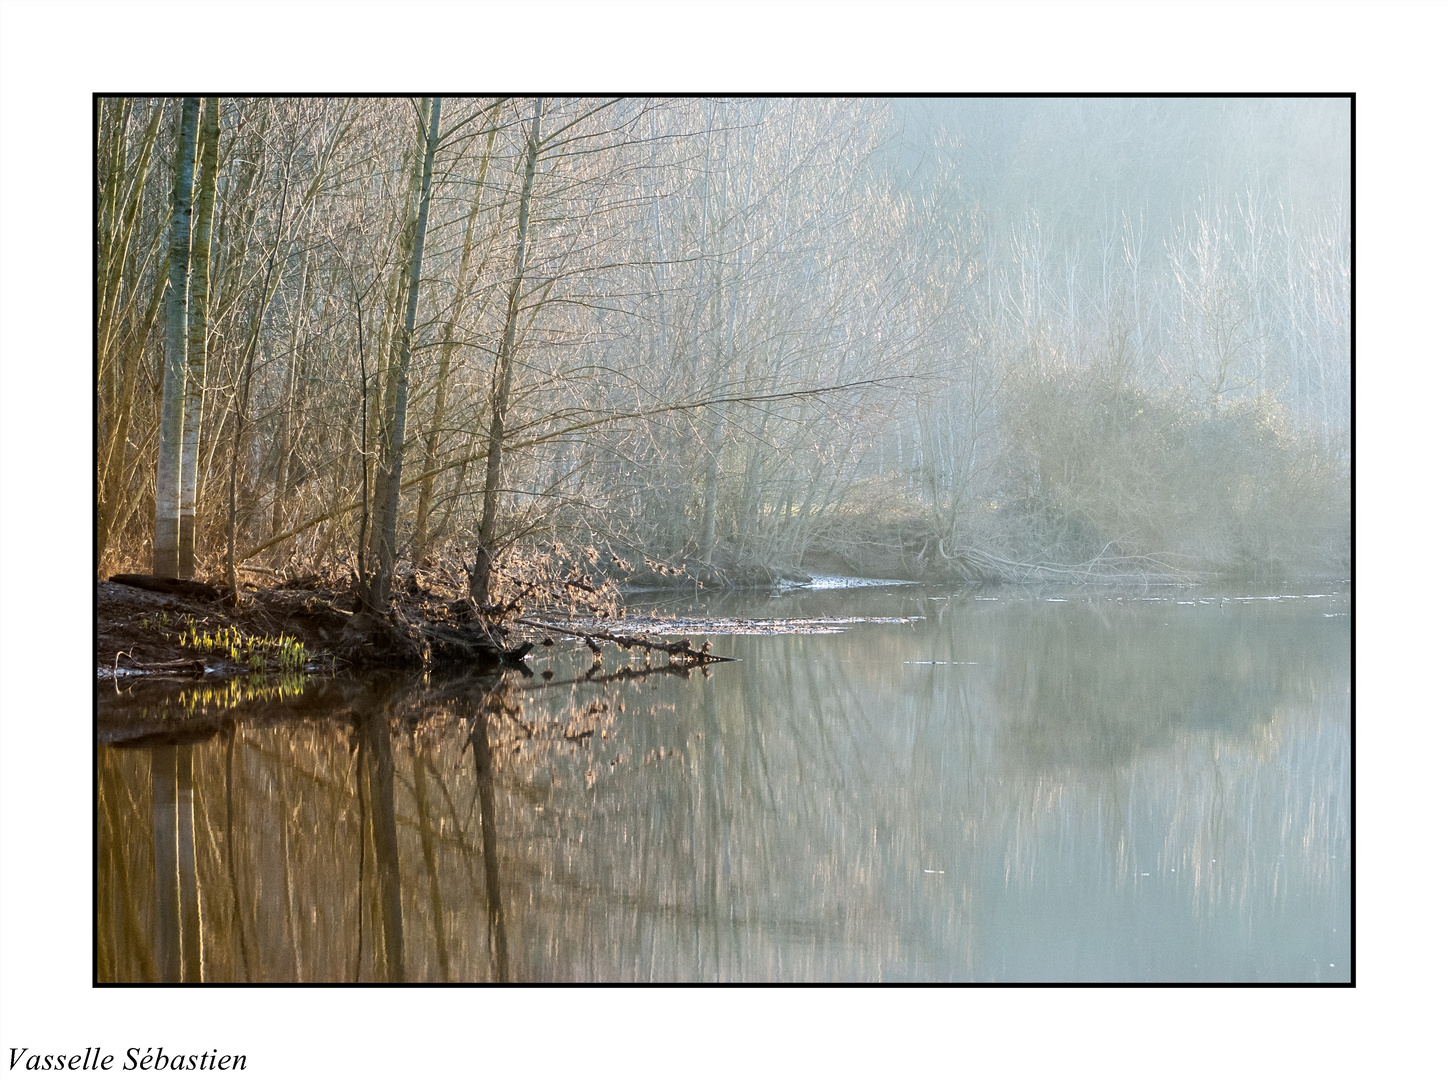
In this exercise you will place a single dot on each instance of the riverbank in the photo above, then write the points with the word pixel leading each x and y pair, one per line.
pixel 163 627
pixel 150 626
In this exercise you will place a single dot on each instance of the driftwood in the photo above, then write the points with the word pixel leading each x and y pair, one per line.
pixel 176 586
pixel 592 635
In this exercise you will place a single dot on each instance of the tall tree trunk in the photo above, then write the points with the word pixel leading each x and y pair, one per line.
pixel 196 343
pixel 487 553
pixel 389 343
pixel 165 552
pixel 420 536
pixel 385 545
pixel 389 346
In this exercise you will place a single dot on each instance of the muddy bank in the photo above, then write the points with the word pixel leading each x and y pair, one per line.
pixel 149 626
pixel 157 627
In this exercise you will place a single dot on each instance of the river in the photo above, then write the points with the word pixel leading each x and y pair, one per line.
pixel 994 785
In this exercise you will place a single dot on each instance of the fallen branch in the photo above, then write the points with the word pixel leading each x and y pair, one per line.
pixel 592 635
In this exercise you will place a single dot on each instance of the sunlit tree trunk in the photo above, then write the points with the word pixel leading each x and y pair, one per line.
pixel 385 530
pixel 165 552
pixel 196 343
pixel 487 553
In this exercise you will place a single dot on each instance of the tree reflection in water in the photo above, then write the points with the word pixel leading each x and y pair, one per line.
pixel 377 807
pixel 494 703
pixel 1100 791
pixel 178 913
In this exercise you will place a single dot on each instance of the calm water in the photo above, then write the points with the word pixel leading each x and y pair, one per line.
pixel 1013 786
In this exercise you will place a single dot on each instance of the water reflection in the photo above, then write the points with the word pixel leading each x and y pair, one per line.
pixel 1013 790
pixel 178 912
pixel 488 820
pixel 378 809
